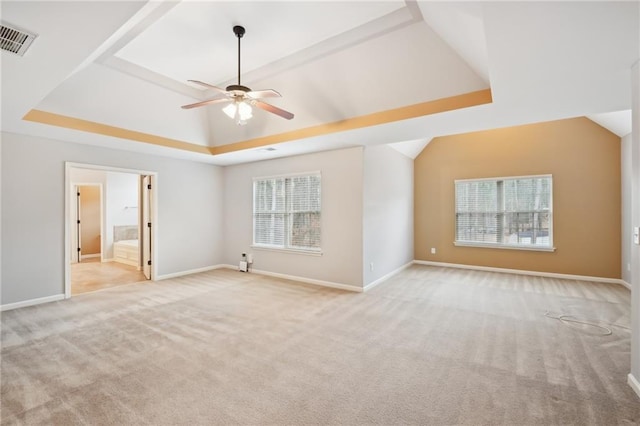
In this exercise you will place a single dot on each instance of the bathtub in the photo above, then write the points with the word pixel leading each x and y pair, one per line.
pixel 127 252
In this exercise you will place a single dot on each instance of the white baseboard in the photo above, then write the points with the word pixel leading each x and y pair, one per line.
pixel 300 279
pixel 31 302
pixel 108 260
pixel 189 272
pixel 90 256
pixel 626 284
pixel 386 276
pixel 634 383
pixel 524 272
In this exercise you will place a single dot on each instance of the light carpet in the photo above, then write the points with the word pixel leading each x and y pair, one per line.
pixel 429 346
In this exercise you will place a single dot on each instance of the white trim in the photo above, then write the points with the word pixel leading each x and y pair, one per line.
pixel 108 168
pixel 288 175
pixel 634 383
pixel 504 178
pixel 502 246
pixel 387 276
pixel 111 259
pixel 301 279
pixel 626 284
pixel 190 271
pixel 31 302
pixel 287 250
pixel 522 272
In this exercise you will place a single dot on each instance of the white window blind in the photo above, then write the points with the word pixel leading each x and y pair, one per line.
pixel 286 212
pixel 509 212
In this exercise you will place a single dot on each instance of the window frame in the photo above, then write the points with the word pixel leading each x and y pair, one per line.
pixel 287 247
pixel 527 247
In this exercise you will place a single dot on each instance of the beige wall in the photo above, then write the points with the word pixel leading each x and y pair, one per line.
pixel 584 160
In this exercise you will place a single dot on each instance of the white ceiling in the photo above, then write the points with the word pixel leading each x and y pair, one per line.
pixel 618 122
pixel 192 28
pixel 125 64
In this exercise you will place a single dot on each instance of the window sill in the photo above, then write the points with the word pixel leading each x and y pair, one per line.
pixel 504 247
pixel 288 250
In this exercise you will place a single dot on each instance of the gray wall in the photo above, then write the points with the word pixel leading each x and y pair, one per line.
pixel 341 234
pixel 388 212
pixel 190 211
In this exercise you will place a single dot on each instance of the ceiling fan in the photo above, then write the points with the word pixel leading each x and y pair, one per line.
pixel 241 98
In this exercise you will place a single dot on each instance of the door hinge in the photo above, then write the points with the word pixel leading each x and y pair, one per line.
pixel 149 186
pixel 78 222
pixel 149 262
pixel 78 194
pixel 78 248
pixel 148 224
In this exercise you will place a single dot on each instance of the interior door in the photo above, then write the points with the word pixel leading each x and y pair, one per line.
pixel 145 245
pixel 89 220
pixel 78 226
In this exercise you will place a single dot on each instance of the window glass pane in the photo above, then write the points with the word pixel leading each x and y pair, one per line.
pixel 479 196
pixel 305 230
pixel 505 211
pixel 287 212
pixel 269 195
pixel 268 229
pixel 477 227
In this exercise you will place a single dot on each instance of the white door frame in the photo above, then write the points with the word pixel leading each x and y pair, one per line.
pixel 69 192
pixel 73 218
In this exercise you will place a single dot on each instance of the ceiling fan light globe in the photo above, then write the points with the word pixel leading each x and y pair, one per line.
pixel 230 110
pixel 244 111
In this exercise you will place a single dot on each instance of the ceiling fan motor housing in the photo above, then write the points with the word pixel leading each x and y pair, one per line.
pixel 233 87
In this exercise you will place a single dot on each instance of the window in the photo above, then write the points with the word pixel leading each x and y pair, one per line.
pixel 286 212
pixel 505 212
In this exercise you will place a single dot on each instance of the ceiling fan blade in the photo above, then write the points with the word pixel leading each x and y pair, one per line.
pixel 208 86
pixel 208 102
pixel 273 109
pixel 268 93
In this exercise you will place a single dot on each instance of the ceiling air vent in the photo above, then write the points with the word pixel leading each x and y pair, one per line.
pixel 15 40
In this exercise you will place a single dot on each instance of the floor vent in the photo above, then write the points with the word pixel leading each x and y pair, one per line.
pixel 15 40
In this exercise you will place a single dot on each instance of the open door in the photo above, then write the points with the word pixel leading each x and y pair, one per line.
pixel 78 226
pixel 146 225
pixel 88 235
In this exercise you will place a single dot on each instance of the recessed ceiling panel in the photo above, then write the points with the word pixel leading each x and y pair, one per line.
pixel 194 40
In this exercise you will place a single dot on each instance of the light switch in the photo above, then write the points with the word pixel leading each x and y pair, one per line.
pixel 636 235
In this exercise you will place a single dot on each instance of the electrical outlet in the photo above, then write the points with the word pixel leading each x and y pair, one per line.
pixel 371 266
pixel 433 250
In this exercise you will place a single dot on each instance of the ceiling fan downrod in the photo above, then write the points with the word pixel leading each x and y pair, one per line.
pixel 239 31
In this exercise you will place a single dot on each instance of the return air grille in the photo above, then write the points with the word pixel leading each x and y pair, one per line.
pixel 15 40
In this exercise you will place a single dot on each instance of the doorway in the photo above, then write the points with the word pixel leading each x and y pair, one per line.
pixel 109 227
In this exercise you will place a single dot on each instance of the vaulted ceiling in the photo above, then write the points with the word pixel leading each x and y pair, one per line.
pixel 354 73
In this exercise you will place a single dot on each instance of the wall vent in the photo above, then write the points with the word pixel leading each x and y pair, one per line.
pixel 14 39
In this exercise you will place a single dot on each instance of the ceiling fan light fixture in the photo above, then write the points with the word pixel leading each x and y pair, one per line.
pixel 241 98
pixel 244 111
pixel 239 111
pixel 231 110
